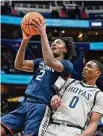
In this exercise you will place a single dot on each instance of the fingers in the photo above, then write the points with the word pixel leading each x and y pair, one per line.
pixel 56 102
pixel 42 21
pixel 25 35
pixel 36 23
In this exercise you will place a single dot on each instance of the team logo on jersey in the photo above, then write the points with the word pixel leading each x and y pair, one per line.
pixel 45 67
pixel 77 90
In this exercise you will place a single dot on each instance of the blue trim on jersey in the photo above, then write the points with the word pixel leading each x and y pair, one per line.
pixel 44 77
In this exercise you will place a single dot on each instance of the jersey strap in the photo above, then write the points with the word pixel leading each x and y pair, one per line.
pixel 62 91
pixel 70 84
pixel 95 98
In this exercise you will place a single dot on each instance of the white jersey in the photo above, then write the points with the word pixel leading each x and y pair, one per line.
pixel 79 100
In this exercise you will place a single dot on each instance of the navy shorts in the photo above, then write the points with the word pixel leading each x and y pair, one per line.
pixel 27 116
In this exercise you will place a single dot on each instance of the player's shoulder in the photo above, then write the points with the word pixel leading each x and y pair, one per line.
pixel 99 98
pixel 67 64
pixel 66 61
pixel 72 80
pixel 99 94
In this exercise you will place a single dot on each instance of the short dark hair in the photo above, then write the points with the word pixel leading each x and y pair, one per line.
pixel 99 65
pixel 70 46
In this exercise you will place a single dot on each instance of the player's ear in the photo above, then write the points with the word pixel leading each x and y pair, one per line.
pixel 98 73
pixel 65 50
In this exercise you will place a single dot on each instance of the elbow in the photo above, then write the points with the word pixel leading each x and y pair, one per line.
pixel 17 66
pixel 48 62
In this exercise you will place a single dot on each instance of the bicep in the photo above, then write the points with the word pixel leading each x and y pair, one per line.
pixel 56 65
pixel 28 65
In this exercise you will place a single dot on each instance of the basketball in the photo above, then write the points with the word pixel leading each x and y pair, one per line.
pixel 27 22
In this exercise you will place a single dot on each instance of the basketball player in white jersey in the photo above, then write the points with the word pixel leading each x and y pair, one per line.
pixel 81 106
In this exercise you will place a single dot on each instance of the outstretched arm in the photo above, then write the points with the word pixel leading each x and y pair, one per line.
pixel 48 55
pixel 20 62
pixel 46 50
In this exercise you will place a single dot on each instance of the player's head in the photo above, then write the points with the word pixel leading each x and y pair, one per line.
pixel 92 70
pixel 63 47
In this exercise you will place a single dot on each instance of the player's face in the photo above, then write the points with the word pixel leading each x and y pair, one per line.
pixel 90 71
pixel 58 47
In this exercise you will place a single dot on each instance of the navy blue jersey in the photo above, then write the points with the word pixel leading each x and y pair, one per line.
pixel 44 77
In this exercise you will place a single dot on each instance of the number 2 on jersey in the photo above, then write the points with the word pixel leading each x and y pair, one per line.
pixel 74 102
pixel 39 77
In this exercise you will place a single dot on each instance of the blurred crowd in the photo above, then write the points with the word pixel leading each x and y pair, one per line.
pixel 66 12
pixel 70 12
pixel 7 9
pixel 7 63
pixel 33 52
pixel 8 57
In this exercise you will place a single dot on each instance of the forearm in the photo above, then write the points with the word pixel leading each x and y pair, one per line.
pixel 46 50
pixel 20 54
pixel 90 130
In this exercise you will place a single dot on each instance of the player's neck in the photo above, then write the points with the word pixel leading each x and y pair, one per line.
pixel 59 58
pixel 90 82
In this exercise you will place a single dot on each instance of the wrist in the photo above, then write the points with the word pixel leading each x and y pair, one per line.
pixel 43 34
pixel 25 40
pixel 24 43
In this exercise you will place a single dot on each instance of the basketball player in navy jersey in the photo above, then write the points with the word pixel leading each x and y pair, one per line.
pixel 39 92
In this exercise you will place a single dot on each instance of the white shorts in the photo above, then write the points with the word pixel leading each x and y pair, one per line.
pixel 61 130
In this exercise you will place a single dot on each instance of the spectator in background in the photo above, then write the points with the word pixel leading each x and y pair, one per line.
pixel 63 12
pixel 13 10
pixel 83 13
pixel 6 9
pixel 77 13
pixel 55 14
pixel 71 12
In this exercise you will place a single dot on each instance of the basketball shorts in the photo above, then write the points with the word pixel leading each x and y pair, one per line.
pixel 26 117
pixel 61 130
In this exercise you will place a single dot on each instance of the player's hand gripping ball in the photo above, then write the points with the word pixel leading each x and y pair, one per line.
pixel 28 23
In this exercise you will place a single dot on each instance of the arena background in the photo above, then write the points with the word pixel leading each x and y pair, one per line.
pixel 80 19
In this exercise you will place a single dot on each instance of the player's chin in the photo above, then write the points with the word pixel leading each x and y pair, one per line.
pixel 54 51
pixel 83 76
pixel 55 54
